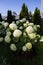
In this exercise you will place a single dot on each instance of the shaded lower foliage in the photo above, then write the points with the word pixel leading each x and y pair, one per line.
pixel 8 57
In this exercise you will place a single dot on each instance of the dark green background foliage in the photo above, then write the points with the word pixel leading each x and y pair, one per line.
pixel 24 12
pixel 1 17
pixel 13 58
pixel 37 17
pixel 9 17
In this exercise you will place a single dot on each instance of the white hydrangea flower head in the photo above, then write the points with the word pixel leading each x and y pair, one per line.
pixel 20 27
pixel 17 33
pixel 5 24
pixel 13 22
pixel 24 19
pixel 24 48
pixel 41 40
pixel 31 24
pixel 13 47
pixel 24 33
pixel 38 35
pixel 32 35
pixel 35 40
pixel 38 26
pixel 17 22
pixel 7 39
pixel 21 21
pixel 13 26
pixel 1 39
pixel 27 22
pixel 25 25
pixel 35 27
pixel 29 29
pixel 8 33
pixel 29 46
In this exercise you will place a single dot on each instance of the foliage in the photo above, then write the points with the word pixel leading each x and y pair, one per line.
pixel 20 46
pixel 21 36
pixel 37 17
pixel 24 12
pixel 0 17
pixel 9 16
pixel 30 16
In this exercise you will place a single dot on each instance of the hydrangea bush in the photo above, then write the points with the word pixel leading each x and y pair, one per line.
pixel 20 35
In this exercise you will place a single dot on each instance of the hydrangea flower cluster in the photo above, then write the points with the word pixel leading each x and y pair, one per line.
pixel 21 35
